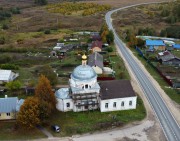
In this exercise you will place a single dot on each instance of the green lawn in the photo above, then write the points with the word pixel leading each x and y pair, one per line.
pixel 90 121
pixel 119 68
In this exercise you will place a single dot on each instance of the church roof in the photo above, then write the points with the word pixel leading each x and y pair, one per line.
pixel 116 89
pixel 62 93
pixel 83 72
pixel 96 59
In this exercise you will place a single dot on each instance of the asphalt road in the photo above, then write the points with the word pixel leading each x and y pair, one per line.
pixel 168 123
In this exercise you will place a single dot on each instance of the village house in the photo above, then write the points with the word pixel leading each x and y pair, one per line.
pixel 9 106
pixel 176 46
pixel 7 76
pixel 85 93
pixel 96 37
pixel 58 46
pixel 155 45
pixel 167 58
pixel 96 46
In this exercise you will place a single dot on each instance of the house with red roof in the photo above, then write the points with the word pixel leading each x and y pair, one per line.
pixel 96 46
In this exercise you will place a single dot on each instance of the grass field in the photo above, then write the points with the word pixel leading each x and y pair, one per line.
pixel 9 132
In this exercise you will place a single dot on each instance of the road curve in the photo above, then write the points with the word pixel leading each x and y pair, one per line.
pixel 168 123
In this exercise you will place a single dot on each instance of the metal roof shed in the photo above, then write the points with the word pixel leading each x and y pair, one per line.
pixel 7 75
pixel 8 105
pixel 154 43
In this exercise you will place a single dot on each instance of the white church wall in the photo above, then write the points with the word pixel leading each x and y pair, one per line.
pixel 64 105
pixel 97 69
pixel 117 104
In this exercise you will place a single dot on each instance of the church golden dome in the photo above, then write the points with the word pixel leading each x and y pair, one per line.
pixel 84 57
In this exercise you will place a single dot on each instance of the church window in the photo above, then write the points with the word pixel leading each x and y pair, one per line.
pixel 8 114
pixel 86 86
pixel 130 103
pixel 106 105
pixel 114 104
pixel 93 103
pixel 86 107
pixel 122 103
pixel 79 107
pixel 68 104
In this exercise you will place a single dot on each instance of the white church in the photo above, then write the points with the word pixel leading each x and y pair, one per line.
pixel 85 93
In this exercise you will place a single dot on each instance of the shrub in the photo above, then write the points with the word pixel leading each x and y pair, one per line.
pixel 40 2
pixel 2 40
pixel 171 19
pixel 9 66
pixel 165 12
pixel 13 85
pixel 163 33
pixel 5 58
pixel 15 10
pixel 5 26
pixel 109 49
pixel 173 32
pixel 47 31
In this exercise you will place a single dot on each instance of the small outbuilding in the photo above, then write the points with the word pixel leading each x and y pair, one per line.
pixel 9 106
pixel 176 46
pixel 7 76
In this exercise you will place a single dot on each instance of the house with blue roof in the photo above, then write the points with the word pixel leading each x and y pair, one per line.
pixel 9 106
pixel 155 45
pixel 176 46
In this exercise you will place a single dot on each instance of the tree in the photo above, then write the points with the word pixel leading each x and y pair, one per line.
pixel 140 42
pixel 5 26
pixel 2 40
pixel 13 85
pixel 109 49
pixel 104 35
pixel 133 40
pixel 110 37
pixel 44 111
pixel 49 73
pixel 165 12
pixel 104 32
pixel 40 2
pixel 47 31
pixel 45 95
pixel 28 116
pixel 163 33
